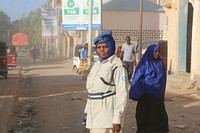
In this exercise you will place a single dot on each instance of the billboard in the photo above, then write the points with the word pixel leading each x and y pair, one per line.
pixel 49 23
pixel 75 14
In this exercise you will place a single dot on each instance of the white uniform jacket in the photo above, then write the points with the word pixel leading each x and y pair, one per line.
pixel 106 104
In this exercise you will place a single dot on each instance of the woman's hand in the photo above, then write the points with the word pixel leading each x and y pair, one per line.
pixel 84 119
pixel 116 128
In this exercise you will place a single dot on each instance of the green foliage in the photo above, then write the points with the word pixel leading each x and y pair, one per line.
pixel 5 27
pixel 32 26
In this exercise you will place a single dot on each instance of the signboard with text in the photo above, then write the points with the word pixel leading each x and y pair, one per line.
pixel 49 23
pixel 75 14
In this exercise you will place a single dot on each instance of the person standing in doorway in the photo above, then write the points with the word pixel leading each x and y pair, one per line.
pixel 127 55
pixel 148 89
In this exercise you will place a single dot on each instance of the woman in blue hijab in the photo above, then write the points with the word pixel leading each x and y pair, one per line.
pixel 148 88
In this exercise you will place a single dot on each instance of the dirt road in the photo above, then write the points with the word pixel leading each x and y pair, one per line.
pixel 7 97
pixel 52 98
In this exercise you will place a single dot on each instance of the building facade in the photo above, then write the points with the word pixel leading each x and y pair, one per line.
pixel 183 36
pixel 123 18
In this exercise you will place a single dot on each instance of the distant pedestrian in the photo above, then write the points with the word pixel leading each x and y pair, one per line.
pixel 51 52
pixel 42 53
pixel 148 88
pixel 127 55
pixel 83 59
pixel 107 89
pixel 34 53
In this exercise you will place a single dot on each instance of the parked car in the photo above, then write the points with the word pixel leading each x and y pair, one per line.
pixel 22 54
pixel 163 50
pixel 76 59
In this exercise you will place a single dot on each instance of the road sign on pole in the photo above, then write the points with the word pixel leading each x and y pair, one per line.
pixel 141 21
pixel 90 34
pixel 49 23
pixel 75 14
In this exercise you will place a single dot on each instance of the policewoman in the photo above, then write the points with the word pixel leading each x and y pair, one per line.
pixel 107 85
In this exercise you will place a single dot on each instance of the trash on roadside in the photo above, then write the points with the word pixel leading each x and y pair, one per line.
pixel 180 126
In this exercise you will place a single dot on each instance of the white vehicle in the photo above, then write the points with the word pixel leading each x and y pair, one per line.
pixel 76 60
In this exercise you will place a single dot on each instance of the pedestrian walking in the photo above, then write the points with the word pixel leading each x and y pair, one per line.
pixel 34 53
pixel 127 55
pixel 42 53
pixel 107 89
pixel 148 89
pixel 51 52
pixel 83 59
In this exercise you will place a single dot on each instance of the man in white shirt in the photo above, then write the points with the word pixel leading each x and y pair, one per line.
pixel 127 55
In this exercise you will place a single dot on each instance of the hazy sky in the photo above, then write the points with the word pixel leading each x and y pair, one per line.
pixel 16 8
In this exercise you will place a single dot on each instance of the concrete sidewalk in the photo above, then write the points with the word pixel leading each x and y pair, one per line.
pixel 181 85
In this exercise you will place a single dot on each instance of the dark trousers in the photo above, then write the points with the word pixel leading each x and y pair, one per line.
pixel 129 66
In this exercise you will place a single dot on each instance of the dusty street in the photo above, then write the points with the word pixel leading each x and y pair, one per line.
pixel 7 97
pixel 50 98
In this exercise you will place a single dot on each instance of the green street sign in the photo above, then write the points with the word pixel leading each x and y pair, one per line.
pixel 70 3
pixel 71 11
pixel 88 2
pixel 94 11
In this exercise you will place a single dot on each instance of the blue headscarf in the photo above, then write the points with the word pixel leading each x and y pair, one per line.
pixel 149 76
pixel 106 38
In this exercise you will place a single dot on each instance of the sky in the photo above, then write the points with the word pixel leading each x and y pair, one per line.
pixel 16 8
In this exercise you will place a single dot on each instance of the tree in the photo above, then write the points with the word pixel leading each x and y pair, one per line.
pixel 32 26
pixel 5 27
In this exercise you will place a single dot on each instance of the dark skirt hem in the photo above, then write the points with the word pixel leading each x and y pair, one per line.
pixel 151 115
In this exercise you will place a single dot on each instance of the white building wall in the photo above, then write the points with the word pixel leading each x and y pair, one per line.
pixel 131 20
pixel 173 41
pixel 127 23
pixel 195 65
pixel 173 31
pixel 173 19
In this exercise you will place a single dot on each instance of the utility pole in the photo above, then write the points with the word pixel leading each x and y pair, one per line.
pixel 90 35
pixel 140 32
